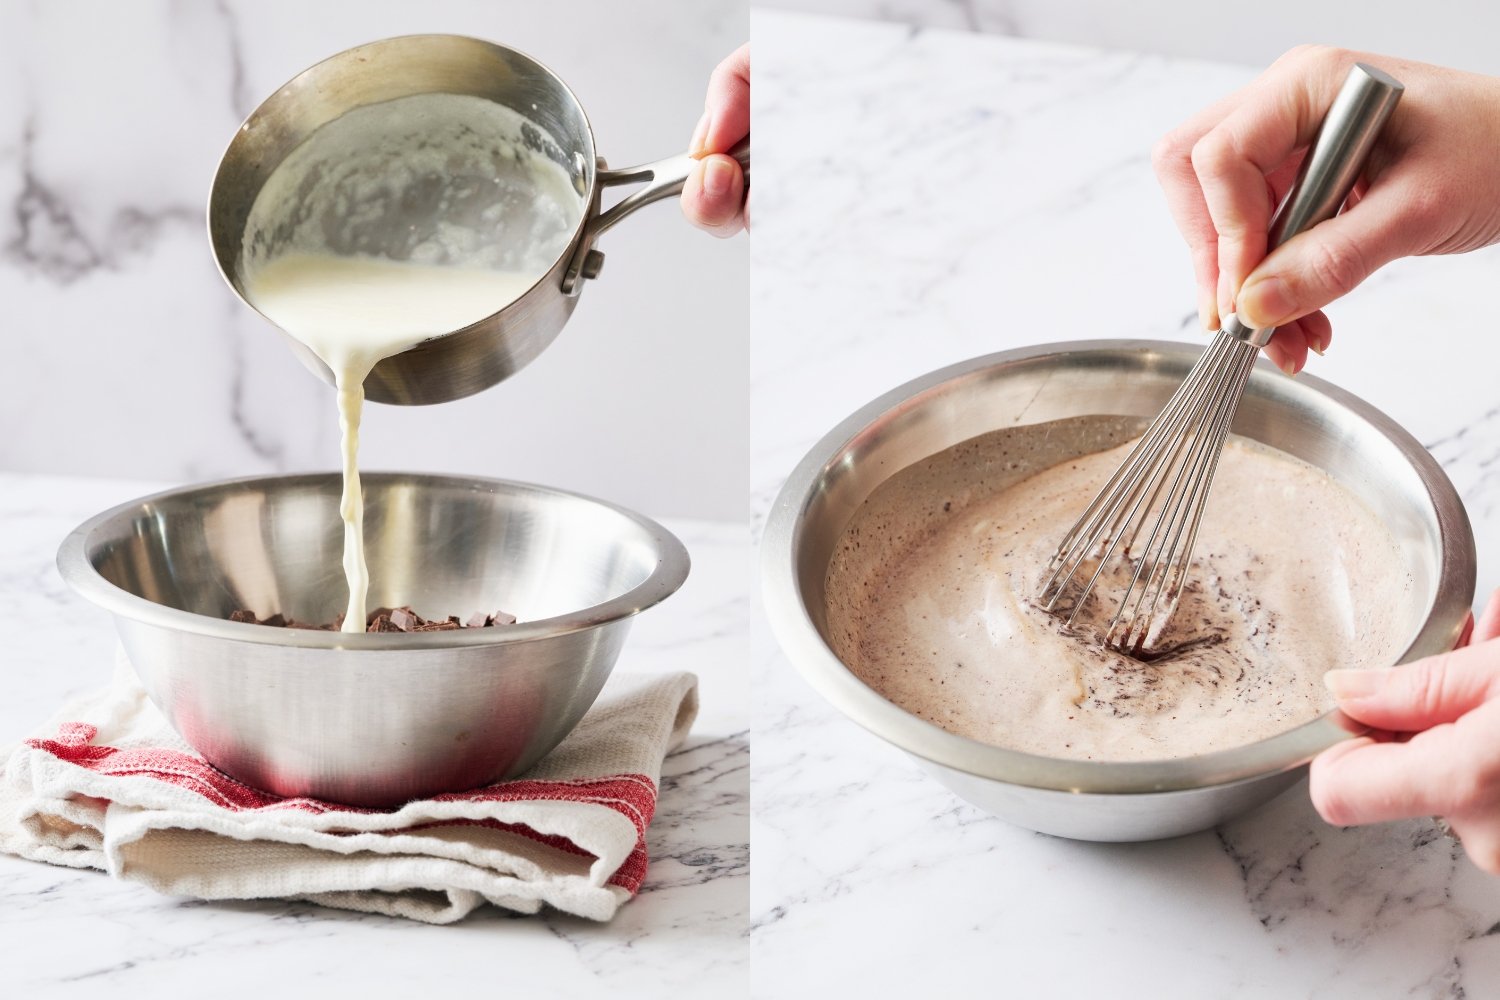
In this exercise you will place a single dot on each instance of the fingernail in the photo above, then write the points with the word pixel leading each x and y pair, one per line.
pixel 1353 685
pixel 1287 367
pixel 1224 305
pixel 697 147
pixel 1208 311
pixel 718 175
pixel 1266 303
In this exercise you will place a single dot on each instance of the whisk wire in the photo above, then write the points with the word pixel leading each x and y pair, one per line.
pixel 1241 378
pixel 1168 473
pixel 1160 460
pixel 1191 443
pixel 1177 522
pixel 1187 437
pixel 1085 534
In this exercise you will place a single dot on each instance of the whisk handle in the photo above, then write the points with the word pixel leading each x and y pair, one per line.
pixel 1332 165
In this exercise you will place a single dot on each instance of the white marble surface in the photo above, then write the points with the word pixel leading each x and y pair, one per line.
pixel 66 933
pixel 924 197
pixel 126 354
pixel 1454 33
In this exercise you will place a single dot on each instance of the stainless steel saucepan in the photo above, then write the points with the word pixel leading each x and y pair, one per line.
pixel 465 361
pixel 1364 450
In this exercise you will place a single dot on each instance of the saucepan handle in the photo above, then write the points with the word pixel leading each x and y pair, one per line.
pixel 663 179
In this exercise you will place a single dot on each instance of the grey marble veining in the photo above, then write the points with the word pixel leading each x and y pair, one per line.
pixel 72 933
pixel 127 356
pixel 931 196
pixel 1455 33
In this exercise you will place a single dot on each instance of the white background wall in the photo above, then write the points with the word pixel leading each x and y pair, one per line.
pixel 122 353
pixel 1462 33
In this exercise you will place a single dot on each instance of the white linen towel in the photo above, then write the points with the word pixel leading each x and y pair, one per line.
pixel 108 784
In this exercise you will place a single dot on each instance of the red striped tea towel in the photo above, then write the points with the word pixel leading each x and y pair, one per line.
pixel 110 785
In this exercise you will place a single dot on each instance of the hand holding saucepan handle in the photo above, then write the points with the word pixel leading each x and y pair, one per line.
pixel 716 196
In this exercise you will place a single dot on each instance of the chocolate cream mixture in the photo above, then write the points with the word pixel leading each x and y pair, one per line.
pixel 930 602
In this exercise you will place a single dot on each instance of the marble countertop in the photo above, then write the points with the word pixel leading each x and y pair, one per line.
pixel 923 197
pixel 73 933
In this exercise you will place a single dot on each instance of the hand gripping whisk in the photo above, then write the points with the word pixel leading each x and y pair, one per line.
pixel 1166 478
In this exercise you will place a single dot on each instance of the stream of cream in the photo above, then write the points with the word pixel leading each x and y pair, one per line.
pixel 353 313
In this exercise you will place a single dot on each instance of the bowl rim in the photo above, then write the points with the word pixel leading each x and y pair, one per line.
pixel 804 645
pixel 77 570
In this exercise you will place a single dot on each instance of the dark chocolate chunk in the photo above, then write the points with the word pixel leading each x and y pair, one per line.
pixel 402 619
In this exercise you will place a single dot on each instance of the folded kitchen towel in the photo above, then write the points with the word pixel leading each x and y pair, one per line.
pixel 110 785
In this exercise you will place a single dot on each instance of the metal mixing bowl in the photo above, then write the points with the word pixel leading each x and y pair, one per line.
pixel 372 719
pixel 1364 450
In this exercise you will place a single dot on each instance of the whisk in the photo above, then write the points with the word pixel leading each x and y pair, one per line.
pixel 1166 478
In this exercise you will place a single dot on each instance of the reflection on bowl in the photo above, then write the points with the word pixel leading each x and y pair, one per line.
pixel 372 719
pixel 1358 446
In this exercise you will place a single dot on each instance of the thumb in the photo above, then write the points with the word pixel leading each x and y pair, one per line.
pixel 1319 265
pixel 1417 696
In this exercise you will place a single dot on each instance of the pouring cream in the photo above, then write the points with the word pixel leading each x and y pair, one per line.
pixel 353 313
pixel 398 222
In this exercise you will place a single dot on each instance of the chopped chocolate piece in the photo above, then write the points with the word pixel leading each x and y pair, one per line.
pixel 402 619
